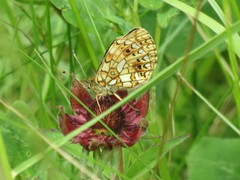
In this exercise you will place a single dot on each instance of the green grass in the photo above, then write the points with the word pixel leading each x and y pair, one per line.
pixel 194 114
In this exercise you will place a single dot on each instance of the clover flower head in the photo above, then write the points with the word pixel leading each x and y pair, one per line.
pixel 127 122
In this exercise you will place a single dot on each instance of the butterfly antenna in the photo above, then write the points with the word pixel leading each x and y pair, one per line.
pixel 69 73
pixel 74 55
pixel 82 82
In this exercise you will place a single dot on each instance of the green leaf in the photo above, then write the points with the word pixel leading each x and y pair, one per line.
pixel 21 143
pixel 4 164
pixel 149 157
pixel 164 18
pixel 60 4
pixel 214 158
pixel 98 11
pixel 151 4
pixel 123 25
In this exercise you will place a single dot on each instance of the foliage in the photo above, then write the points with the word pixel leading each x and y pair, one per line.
pixel 194 115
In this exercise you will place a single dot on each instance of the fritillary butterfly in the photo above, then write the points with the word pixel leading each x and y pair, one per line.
pixel 128 63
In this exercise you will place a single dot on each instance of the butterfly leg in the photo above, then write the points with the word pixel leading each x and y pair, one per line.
pixel 98 103
pixel 117 96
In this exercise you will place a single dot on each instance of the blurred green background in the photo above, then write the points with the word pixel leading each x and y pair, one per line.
pixel 194 114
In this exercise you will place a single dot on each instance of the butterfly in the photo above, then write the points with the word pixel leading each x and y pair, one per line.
pixel 127 64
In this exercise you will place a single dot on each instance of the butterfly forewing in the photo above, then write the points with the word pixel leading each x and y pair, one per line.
pixel 129 61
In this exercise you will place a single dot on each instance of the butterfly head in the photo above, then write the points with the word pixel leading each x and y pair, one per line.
pixel 91 85
pixel 87 84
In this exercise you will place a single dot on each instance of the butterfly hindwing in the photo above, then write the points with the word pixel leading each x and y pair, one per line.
pixel 129 61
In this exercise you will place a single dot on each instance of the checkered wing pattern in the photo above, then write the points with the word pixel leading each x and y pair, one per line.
pixel 129 61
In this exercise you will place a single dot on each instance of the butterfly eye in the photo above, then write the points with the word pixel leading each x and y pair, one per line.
pixel 86 84
pixel 89 85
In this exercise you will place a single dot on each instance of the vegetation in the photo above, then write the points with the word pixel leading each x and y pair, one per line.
pixel 194 114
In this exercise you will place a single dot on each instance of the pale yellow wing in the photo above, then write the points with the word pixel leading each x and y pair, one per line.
pixel 129 61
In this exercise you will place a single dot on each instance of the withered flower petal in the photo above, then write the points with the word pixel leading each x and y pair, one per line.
pixel 127 121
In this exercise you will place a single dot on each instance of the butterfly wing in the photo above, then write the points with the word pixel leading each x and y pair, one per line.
pixel 129 61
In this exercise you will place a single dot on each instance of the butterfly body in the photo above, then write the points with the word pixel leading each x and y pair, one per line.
pixel 98 89
pixel 128 63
